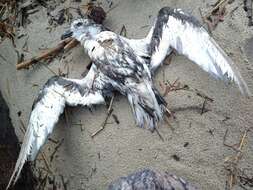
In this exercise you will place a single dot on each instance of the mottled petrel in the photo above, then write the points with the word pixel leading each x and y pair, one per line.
pixel 127 66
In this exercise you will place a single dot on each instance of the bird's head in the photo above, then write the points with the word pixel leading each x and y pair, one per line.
pixel 82 28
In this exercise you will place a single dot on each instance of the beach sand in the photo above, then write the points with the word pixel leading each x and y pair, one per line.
pixel 193 149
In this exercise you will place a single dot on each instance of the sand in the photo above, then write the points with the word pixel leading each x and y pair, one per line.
pixel 123 148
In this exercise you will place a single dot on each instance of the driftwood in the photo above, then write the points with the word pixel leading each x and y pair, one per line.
pixel 64 45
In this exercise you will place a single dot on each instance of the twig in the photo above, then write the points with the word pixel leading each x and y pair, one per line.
pixel 218 4
pixel 103 125
pixel 209 24
pixel 202 95
pixel 45 55
pixel 48 68
pixel 203 109
pixel 73 43
pixel 123 31
pixel 111 102
pixel 168 123
pixel 225 144
pixel 112 8
pixel 115 118
pixel 109 112
pixel 43 182
pixel 159 134
pixel 64 183
pixel 55 150
pixel 216 14
pixel 233 161
pixel 46 162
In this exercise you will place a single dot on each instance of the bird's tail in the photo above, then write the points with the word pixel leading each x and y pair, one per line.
pixel 147 105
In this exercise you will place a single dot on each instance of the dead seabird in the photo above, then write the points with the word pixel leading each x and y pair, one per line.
pixel 125 65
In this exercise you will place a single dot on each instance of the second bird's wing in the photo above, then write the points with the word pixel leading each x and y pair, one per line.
pixel 177 30
pixel 49 105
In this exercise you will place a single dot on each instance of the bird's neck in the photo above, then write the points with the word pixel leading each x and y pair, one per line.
pixel 88 45
pixel 84 37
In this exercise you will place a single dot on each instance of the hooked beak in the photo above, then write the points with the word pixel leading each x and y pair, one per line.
pixel 66 34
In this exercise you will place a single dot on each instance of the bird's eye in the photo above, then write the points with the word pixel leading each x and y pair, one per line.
pixel 79 24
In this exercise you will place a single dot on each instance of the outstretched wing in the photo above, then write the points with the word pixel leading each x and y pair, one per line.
pixel 48 106
pixel 177 30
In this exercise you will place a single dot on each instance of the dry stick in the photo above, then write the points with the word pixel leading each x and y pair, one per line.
pixel 64 183
pixel 103 125
pixel 159 134
pixel 204 19
pixel 46 54
pixel 43 182
pixel 55 150
pixel 73 43
pixel 46 162
pixel 166 120
pixel 109 112
pixel 48 68
pixel 203 107
pixel 123 31
pixel 112 8
pixel 216 7
pixel 241 145
pixel 225 144
pixel 235 160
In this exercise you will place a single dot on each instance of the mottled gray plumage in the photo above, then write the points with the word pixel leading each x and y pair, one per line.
pixel 115 57
pixel 150 180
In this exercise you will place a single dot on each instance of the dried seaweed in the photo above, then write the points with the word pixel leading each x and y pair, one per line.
pixel 6 31
pixel 96 13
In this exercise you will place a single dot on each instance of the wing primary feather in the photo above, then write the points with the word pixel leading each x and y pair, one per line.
pixel 50 104
pixel 182 32
pixel 235 75
pixel 23 155
pixel 38 128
